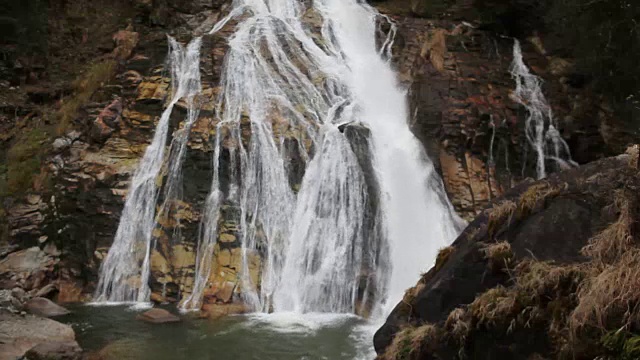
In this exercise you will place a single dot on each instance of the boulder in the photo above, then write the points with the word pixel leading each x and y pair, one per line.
pixel 44 307
pixel 158 316
pixel 483 288
pixel 18 334
pixel 58 350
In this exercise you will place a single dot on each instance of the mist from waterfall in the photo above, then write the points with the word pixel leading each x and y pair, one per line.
pixel 124 273
pixel 541 128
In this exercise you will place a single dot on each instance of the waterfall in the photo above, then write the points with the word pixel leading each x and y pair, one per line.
pixel 540 126
pixel 124 273
pixel 303 78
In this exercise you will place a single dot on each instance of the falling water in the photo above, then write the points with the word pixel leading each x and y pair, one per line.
pixel 124 272
pixel 299 76
pixel 540 127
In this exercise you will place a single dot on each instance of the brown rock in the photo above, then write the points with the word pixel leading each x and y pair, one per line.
pixel 215 311
pixel 59 350
pixel 158 316
pixel 44 307
pixel 18 334
pixel 125 41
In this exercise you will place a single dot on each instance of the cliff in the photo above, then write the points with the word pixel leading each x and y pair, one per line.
pixel 78 112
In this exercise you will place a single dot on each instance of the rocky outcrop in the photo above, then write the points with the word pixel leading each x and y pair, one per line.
pixel 460 93
pixel 44 307
pixel 524 274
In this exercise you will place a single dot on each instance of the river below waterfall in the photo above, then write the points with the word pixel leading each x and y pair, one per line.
pixel 114 333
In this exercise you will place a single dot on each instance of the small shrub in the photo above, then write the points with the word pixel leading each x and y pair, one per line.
pixel 499 256
pixel 495 306
pixel 410 342
pixel 616 239
pixel 97 75
pixel 499 214
pixel 24 159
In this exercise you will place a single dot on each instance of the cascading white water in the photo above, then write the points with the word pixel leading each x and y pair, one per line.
pixel 124 273
pixel 540 127
pixel 293 80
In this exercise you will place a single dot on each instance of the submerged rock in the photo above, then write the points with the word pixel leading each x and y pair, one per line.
pixel 158 316
pixel 59 350
pixel 44 307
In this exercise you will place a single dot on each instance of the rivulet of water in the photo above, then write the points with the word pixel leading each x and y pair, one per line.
pixel 541 128
pixel 124 272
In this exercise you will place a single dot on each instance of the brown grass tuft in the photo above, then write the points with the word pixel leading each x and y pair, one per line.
pixel 543 280
pixel 612 297
pixel 458 325
pixel 443 256
pixel 410 342
pixel 530 199
pixel 616 239
pixel 85 86
pixel 499 256
pixel 494 306
pixel 500 213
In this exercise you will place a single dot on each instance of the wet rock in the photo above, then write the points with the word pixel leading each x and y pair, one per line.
pixel 215 311
pixel 18 333
pixel 9 301
pixel 158 316
pixel 44 307
pixel 61 350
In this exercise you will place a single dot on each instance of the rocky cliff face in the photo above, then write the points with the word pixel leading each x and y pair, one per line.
pixel 67 207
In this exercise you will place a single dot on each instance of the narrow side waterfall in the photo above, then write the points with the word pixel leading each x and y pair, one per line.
pixel 541 127
pixel 124 273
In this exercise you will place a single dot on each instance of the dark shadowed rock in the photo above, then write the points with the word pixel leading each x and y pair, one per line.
pixel 158 316
pixel 44 307
pixel 548 220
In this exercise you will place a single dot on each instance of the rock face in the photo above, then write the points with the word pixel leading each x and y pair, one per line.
pixel 518 277
pixel 158 316
pixel 18 334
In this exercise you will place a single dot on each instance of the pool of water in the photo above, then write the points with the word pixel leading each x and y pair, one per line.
pixel 114 333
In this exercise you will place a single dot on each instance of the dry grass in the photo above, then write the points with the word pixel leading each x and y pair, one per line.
pixel 499 214
pixel 535 194
pixel 494 306
pixel 499 256
pixel 94 78
pixel 544 281
pixel 443 256
pixel 409 342
pixel 614 241
pixel 612 297
pixel 458 325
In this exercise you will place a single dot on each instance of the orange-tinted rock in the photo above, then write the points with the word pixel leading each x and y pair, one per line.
pixel 158 316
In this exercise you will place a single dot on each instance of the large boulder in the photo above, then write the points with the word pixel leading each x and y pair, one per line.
pixel 18 334
pixel 512 277
pixel 44 307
